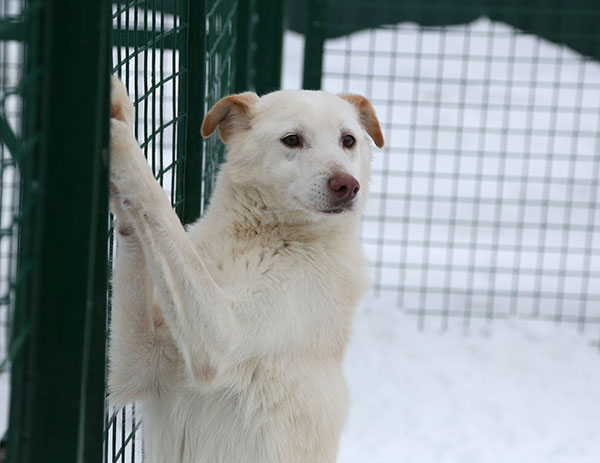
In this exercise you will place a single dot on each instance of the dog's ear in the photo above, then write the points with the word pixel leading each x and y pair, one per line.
pixel 367 116
pixel 229 114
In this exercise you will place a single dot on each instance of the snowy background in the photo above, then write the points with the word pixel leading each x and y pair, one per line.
pixel 482 215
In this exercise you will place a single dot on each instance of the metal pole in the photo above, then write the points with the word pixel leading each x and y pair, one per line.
pixel 313 48
pixel 269 45
pixel 190 154
pixel 61 371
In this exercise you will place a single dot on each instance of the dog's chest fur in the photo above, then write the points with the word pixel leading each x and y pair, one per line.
pixel 286 281
pixel 251 259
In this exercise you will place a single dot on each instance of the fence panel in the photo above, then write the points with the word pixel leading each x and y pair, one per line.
pixel 17 145
pixel 56 350
pixel 177 58
pixel 484 203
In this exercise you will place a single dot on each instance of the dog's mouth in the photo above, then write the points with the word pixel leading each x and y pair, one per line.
pixel 337 210
pixel 338 207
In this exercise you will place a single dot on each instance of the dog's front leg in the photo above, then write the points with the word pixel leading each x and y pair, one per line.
pixel 199 314
pixel 141 352
pixel 140 348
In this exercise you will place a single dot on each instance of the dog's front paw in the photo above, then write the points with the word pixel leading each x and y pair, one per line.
pixel 120 106
pixel 132 184
pixel 124 148
pixel 122 139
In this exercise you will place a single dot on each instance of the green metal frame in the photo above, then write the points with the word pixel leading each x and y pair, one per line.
pixel 269 44
pixel 572 24
pixel 313 48
pixel 191 92
pixel 59 372
pixel 247 22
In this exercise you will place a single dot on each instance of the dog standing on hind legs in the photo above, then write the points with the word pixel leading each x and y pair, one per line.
pixel 231 333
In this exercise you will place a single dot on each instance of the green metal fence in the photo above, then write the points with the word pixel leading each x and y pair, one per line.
pixel 485 200
pixel 54 224
pixel 177 58
pixel 11 179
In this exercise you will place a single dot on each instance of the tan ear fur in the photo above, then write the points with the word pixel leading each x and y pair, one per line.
pixel 367 115
pixel 229 114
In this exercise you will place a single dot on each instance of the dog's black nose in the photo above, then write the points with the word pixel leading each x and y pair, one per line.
pixel 343 186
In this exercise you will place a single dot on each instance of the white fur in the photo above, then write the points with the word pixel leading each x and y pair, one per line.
pixel 232 334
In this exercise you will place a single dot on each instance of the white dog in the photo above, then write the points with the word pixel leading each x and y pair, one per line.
pixel 232 334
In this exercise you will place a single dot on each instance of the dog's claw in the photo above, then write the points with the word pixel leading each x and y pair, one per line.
pixel 120 106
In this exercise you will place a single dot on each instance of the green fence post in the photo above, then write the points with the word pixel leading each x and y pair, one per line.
pixel 191 103
pixel 313 48
pixel 60 373
pixel 269 41
pixel 245 48
pixel 94 359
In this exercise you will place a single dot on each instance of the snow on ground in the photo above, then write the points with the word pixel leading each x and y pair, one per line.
pixel 508 390
pixel 518 392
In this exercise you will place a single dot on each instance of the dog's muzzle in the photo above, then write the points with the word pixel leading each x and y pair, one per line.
pixel 343 188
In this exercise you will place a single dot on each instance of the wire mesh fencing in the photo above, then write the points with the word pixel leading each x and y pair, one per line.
pixel 18 203
pixel 145 57
pixel 11 53
pixel 176 58
pixel 484 202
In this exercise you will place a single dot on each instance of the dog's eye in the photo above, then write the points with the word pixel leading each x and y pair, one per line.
pixel 292 141
pixel 348 141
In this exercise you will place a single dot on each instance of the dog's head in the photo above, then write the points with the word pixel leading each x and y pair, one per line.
pixel 306 152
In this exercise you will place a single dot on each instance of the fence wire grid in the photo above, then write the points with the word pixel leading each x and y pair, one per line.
pixel 176 60
pixel 17 144
pixel 11 53
pixel 484 202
